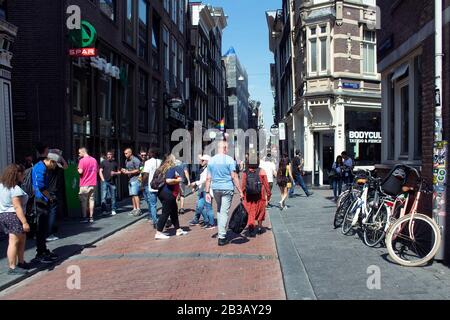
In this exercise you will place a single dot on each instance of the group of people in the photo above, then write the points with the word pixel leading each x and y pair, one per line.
pixel 217 181
pixel 341 173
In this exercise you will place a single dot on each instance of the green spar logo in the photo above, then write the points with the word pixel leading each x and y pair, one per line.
pixel 85 36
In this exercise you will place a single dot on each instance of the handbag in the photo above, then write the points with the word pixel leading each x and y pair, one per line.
pixel 289 183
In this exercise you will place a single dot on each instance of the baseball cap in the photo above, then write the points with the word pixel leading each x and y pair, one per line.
pixel 56 157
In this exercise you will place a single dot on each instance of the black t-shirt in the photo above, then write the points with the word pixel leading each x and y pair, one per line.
pixel 107 167
pixel 295 165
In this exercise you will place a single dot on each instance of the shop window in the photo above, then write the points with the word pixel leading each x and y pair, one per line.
pixel 76 94
pixel 143 29
pixel 108 7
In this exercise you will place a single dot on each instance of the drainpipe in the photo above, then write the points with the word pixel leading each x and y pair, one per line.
pixel 440 146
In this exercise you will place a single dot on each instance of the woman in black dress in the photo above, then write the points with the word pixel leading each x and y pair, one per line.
pixel 284 177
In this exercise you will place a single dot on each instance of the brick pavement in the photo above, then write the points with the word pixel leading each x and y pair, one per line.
pixel 132 265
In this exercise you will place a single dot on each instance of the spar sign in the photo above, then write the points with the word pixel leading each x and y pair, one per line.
pixel 82 34
pixel 364 137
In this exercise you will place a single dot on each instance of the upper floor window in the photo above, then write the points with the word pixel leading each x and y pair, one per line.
pixel 318 49
pixel 143 28
pixel 166 5
pixel 108 7
pixel 369 51
pixel 173 13
pixel 130 26
pixel 181 9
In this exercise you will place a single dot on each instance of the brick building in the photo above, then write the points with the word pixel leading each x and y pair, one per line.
pixel 406 60
pixel 327 88
pixel 113 101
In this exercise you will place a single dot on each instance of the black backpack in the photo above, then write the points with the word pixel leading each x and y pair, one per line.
pixel 253 185
pixel 239 219
pixel 158 181
pixel 27 184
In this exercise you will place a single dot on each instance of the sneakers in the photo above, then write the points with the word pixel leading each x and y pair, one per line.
pixel 24 265
pixel 161 236
pixel 47 257
pixel 223 241
pixel 52 238
pixel 209 227
pixel 137 212
pixel 131 213
pixel 194 223
pixel 113 213
pixel 310 194
pixel 181 232
pixel 17 272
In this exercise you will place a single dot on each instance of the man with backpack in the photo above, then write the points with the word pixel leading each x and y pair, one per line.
pixel 222 174
pixel 150 167
pixel 257 195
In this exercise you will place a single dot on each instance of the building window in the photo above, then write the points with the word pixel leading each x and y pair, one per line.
pixel 76 92
pixel 3 9
pixel 402 104
pixel 181 65
pixel 173 12
pixel 318 49
pixel 166 53
pixel 130 18
pixel 155 43
pixel 181 8
pixel 108 7
pixel 143 102
pixel 174 59
pixel 143 29
pixel 126 102
pixel 166 5
pixel 369 49
pixel 155 107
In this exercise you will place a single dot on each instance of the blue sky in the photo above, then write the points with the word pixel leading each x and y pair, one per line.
pixel 247 32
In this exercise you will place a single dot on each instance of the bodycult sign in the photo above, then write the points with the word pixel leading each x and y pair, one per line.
pixel 364 137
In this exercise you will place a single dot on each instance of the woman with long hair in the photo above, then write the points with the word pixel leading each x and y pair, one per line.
pixel 336 182
pixel 284 178
pixel 168 196
pixel 13 202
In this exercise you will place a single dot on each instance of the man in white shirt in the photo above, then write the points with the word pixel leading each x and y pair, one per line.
pixel 150 167
pixel 271 170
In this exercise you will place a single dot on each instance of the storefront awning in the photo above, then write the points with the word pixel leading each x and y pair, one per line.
pixel 400 71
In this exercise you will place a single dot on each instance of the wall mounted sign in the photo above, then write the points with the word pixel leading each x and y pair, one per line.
pixel 83 52
pixel 364 137
pixel 102 65
pixel 350 85
pixel 282 130
pixel 84 37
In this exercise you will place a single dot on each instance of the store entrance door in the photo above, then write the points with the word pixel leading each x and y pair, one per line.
pixel 327 154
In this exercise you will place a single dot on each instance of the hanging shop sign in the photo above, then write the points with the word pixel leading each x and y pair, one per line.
pixel 282 130
pixel 364 137
pixel 106 67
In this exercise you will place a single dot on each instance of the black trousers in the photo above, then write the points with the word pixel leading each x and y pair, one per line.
pixel 169 209
pixel 42 212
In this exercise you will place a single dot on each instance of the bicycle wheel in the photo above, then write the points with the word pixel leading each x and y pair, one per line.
pixel 348 217
pixel 340 212
pixel 342 197
pixel 413 243
pixel 374 228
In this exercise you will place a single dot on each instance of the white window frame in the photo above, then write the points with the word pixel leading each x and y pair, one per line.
pixel 318 37
pixel 366 43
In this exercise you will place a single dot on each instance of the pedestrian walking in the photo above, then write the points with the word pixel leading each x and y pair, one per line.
pixel 150 167
pixel 222 175
pixel 109 171
pixel 203 208
pixel 336 177
pixel 87 168
pixel 297 174
pixel 270 168
pixel 13 222
pixel 56 188
pixel 284 178
pixel 168 197
pixel 42 201
pixel 257 195
pixel 132 170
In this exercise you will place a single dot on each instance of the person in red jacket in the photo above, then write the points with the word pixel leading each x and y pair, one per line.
pixel 256 204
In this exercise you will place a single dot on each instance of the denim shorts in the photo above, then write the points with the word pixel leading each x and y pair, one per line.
pixel 134 187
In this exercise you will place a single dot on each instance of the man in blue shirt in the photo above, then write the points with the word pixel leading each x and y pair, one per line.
pixel 222 175
pixel 43 200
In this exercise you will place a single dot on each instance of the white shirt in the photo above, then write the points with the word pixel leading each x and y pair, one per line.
pixel 269 167
pixel 348 163
pixel 202 182
pixel 150 167
pixel 6 196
